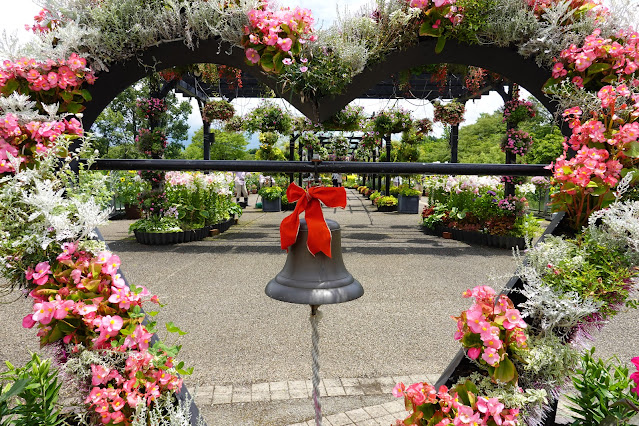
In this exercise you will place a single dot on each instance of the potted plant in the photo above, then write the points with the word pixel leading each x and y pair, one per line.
pixel 408 200
pixel 127 185
pixel 348 119
pixel 387 204
pixel 286 206
pixel 271 198
pixel 374 196
pixel 217 110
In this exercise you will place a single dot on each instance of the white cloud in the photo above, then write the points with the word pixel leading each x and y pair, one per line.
pixel 16 14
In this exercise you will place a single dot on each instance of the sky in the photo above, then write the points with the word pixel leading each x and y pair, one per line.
pixel 18 13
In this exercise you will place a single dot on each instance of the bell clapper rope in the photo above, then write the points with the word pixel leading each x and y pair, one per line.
pixel 315 318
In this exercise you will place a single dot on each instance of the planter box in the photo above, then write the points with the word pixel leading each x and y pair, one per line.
pixel 408 204
pixel 165 238
pixel 473 237
pixel 289 206
pixel 386 208
pixel 132 212
pixel 272 205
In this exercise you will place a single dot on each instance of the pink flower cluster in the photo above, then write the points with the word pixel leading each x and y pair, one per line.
pixel 80 298
pixel 614 58
pixel 443 408
pixel 635 376
pixel 513 204
pixel 115 394
pixel 430 7
pixel 370 140
pixel 152 107
pixel 451 113
pixel 43 23
pixel 271 32
pixel 48 75
pixel 540 6
pixel 22 141
pixel 488 329
pixel 517 110
pixel 517 142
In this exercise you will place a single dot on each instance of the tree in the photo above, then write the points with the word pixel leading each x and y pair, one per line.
pixel 227 146
pixel 119 123
pixel 479 142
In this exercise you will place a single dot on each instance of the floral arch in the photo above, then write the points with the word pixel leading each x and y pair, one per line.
pixel 81 302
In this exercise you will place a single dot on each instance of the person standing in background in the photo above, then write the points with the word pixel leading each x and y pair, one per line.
pixel 337 179
pixel 240 187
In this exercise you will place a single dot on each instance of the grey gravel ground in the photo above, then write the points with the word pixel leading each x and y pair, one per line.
pixel 214 289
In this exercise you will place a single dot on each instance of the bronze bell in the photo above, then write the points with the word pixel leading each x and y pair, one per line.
pixel 314 280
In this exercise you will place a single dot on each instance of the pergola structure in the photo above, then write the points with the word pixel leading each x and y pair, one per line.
pixel 423 86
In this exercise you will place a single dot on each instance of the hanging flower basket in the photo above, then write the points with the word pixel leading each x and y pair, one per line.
pixel 309 141
pixel 395 120
pixel 234 124
pixel 151 142
pixel 268 117
pixel 338 147
pixel 348 119
pixel 423 126
pixel 152 108
pixel 217 110
pixel 451 113
pixel 516 142
pixel 516 111
pixel 370 141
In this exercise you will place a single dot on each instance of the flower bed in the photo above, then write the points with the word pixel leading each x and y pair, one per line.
pixel 477 204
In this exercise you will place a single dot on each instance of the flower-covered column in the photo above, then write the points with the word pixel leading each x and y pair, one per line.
pixel 452 114
pixel 516 142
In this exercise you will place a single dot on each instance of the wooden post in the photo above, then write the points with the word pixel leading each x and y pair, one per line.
pixel 387 140
pixel 454 143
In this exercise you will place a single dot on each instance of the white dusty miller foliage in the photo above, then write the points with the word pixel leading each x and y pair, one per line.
pixel 617 227
pixel 166 411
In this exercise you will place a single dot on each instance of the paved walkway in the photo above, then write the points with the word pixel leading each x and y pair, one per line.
pixel 251 354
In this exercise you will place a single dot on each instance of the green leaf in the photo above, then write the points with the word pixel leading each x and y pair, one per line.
pixel 597 68
pixel 10 86
pixel 74 107
pixel 172 328
pixel 427 30
pixel 266 62
pixel 86 95
pixel 506 371
pixel 441 42
pixel 152 313
pixel 14 390
pixel 632 149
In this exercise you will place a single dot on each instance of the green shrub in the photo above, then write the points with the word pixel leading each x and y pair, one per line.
pixel 604 394
pixel 386 201
pixel 29 395
pixel 270 193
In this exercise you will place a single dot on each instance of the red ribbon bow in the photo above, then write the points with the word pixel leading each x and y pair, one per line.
pixel 319 236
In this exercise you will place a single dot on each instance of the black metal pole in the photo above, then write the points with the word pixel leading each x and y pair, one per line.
pixel 454 143
pixel 387 139
pixel 324 167
pixel 206 139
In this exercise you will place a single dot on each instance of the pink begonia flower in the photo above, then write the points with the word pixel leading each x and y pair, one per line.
pixel 475 320
pixel 303 69
pixel 271 39
pixel 285 44
pixel 120 297
pixel 415 394
pixel 103 257
pixel 460 330
pixel 111 266
pixel 152 392
pixel 111 324
pixel 118 281
pixel 43 312
pixel 41 273
pixel 398 390
pixel 252 55
pixel 493 342
pixel 513 319
pixel 489 331
pixel 117 405
pixel 99 374
pixel 490 356
pixel 27 321
pixel 473 353
pixel 62 307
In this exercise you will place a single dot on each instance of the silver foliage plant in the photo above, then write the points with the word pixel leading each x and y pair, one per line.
pixel 36 213
pixel 617 226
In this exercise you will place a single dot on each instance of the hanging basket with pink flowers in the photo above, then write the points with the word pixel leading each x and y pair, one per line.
pixel 451 113
pixel 217 110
